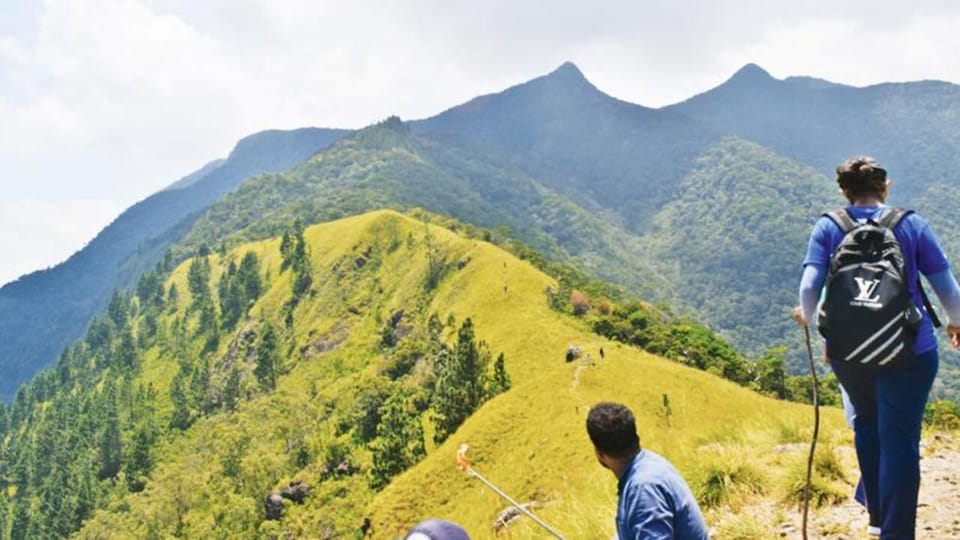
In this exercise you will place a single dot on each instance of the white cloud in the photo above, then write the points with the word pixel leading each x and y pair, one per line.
pixel 111 100
pixel 859 52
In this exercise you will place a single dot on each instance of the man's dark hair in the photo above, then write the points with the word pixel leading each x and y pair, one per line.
pixel 861 176
pixel 613 430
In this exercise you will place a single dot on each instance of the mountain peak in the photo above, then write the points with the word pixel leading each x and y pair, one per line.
pixel 568 72
pixel 394 123
pixel 568 69
pixel 752 73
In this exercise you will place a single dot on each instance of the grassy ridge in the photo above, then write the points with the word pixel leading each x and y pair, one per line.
pixel 210 480
pixel 531 440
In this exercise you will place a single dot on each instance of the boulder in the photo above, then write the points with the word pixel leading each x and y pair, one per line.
pixel 296 491
pixel 273 505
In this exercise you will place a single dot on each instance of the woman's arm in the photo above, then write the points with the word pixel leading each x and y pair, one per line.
pixel 810 285
pixel 948 292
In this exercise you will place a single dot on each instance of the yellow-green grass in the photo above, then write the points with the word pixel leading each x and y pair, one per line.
pixel 530 441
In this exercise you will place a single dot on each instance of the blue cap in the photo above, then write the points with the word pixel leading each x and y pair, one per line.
pixel 438 529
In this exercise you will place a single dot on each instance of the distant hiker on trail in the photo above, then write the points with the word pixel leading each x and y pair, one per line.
pixel 654 501
pixel 879 332
pixel 437 529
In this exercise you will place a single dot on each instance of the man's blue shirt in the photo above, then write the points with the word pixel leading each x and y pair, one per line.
pixel 922 254
pixel 655 503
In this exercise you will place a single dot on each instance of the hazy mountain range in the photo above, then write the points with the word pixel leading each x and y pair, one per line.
pixel 705 204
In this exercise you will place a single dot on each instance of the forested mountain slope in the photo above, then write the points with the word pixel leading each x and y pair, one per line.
pixel 342 365
pixel 910 127
pixel 388 166
pixel 616 188
pixel 608 155
pixel 42 312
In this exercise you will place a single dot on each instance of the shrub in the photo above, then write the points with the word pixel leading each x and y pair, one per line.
pixel 725 475
pixel 580 302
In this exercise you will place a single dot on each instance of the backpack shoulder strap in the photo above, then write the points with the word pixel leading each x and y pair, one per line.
pixel 893 216
pixel 842 219
pixel 890 219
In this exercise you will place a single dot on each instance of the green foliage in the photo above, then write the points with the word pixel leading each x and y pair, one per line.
pixel 198 282
pixel 295 256
pixel 399 443
pixel 239 287
pixel 500 382
pixel 461 382
pixel 182 416
pixel 828 483
pixel 110 448
pixel 721 477
pixel 266 357
pixel 139 462
pixel 942 414
pixel 672 337
pixel 231 390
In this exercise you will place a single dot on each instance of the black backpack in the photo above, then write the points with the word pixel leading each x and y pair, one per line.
pixel 868 316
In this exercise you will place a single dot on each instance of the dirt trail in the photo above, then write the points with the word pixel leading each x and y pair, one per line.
pixel 938 509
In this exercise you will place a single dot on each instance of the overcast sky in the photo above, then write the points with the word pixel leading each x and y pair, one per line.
pixel 104 102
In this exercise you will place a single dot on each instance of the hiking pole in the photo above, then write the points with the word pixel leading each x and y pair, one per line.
pixel 816 430
pixel 464 464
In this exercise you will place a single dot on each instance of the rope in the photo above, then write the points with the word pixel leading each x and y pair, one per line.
pixel 515 504
pixel 816 431
pixel 464 464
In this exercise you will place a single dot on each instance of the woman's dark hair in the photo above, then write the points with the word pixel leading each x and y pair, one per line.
pixel 613 430
pixel 861 176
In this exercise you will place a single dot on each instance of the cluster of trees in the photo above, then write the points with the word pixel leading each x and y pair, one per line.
pixel 295 257
pixel 87 432
pixel 239 287
pixel 192 391
pixel 86 429
pixel 456 380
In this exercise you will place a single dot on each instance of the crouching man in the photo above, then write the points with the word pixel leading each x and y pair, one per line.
pixel 654 501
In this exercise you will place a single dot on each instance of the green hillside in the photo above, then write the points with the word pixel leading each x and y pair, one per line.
pixel 615 188
pixel 42 312
pixel 177 415
pixel 733 233
pixel 388 166
pixel 733 240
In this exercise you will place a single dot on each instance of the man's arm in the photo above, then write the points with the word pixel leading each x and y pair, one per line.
pixel 648 515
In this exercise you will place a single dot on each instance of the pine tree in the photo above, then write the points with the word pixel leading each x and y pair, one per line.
pixel 231 390
pixel 286 250
pixel 198 282
pixel 501 379
pixel 182 416
pixel 125 354
pixel 86 494
pixel 266 369
pixel 111 454
pixel 200 388
pixel 248 277
pixel 20 523
pixel 173 296
pixel 118 309
pixel 150 289
pixel 139 463
pixel 229 295
pixel 461 383
pixel 399 443
pixel 4 510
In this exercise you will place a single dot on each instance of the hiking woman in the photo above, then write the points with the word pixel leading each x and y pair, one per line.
pixel 889 400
